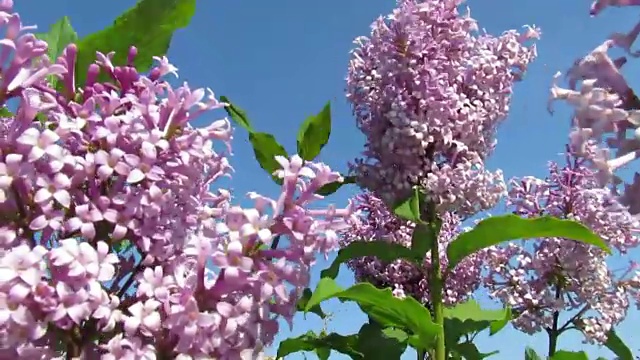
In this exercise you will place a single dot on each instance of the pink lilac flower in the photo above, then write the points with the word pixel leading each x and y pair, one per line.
pixel 556 275
pixel 429 92
pixel 605 132
pixel 606 116
pixel 113 169
pixel 598 5
pixel 378 224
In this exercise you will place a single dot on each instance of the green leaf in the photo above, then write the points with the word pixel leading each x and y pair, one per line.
pixel 498 325
pixel 469 317
pixel 266 148
pixel 423 238
pixel 409 209
pixel 314 134
pixel 376 343
pixel 498 229
pixel 311 342
pixel 323 353
pixel 469 351
pixel 404 313
pixel 530 354
pixel 569 355
pixel 59 36
pixel 121 246
pixel 302 304
pixel 331 188
pixel 617 346
pixel 384 251
pixel 149 26
pixel 5 113
pixel 236 114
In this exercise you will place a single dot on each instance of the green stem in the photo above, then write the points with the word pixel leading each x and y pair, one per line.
pixel 554 332
pixel 436 295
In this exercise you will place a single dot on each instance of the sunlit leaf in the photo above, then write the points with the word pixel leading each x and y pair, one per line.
pixel 149 26
pixel 302 304
pixel 404 313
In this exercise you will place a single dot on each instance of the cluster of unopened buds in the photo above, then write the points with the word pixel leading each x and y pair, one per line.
pixel 114 244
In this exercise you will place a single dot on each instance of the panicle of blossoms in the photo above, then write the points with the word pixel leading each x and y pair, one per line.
pixel 559 275
pixel 376 223
pixel 606 118
pixel 103 170
pixel 429 92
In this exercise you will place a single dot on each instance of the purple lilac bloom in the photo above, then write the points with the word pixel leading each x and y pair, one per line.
pixel 429 91
pixel 538 279
pixel 112 166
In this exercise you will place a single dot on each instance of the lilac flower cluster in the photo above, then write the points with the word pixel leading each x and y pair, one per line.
pixel 429 94
pixel 558 275
pixel 606 120
pixel 99 171
pixel 378 224
pixel 606 133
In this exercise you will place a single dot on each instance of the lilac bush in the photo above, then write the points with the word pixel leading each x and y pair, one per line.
pixel 114 244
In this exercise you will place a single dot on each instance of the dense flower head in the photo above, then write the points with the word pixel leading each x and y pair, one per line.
pixel 376 223
pixel 606 119
pixel 538 278
pixel 429 92
pixel 114 243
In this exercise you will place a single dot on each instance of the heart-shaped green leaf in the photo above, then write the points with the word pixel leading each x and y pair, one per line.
pixel 237 115
pixel 618 347
pixel 384 251
pixel 314 134
pixel 530 354
pixel 498 229
pixel 266 148
pixel 313 342
pixel 331 188
pixel 404 313
pixel 409 208
pixel 377 343
pixel 58 37
pixel 569 355
pixel 149 26
pixel 302 304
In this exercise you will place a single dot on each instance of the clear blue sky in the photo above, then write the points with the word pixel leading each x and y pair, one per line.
pixel 282 60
